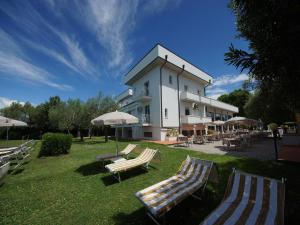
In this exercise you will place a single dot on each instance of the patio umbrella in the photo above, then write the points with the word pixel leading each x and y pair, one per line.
pixel 117 119
pixel 241 120
pixel 7 122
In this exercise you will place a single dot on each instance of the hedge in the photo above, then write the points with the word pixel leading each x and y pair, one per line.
pixel 55 144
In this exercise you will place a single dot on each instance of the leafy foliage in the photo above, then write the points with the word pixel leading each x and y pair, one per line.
pixel 55 144
pixel 237 98
pixel 73 115
pixel 273 31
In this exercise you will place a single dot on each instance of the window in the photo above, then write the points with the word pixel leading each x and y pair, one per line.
pixel 148 134
pixel 186 88
pixel 187 111
pixel 146 88
pixel 166 113
pixel 170 79
pixel 147 109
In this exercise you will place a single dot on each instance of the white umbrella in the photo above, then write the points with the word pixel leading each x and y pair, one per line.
pixel 7 122
pixel 241 120
pixel 219 122
pixel 115 118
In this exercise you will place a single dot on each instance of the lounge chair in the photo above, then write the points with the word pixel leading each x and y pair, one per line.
pixel 3 171
pixel 124 153
pixel 163 196
pixel 142 160
pixel 250 200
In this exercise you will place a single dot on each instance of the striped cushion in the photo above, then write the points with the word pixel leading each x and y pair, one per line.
pixel 145 157
pixel 250 200
pixel 128 149
pixel 161 197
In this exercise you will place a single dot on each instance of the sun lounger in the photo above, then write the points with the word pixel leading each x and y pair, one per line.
pixel 250 200
pixel 3 171
pixel 142 160
pixel 163 196
pixel 124 153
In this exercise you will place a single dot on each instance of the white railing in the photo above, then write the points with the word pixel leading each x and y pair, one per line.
pixel 191 119
pixel 124 94
pixel 208 101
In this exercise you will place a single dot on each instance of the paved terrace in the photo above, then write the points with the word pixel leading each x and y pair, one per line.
pixel 262 150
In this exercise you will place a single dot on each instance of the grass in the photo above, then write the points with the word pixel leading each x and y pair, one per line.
pixel 73 189
pixel 10 143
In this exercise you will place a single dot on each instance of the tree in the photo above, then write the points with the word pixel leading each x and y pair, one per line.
pixel 262 105
pixel 62 116
pixel 237 98
pixel 272 29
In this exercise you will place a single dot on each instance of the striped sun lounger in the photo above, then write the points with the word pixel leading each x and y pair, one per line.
pixel 142 160
pixel 124 153
pixel 163 196
pixel 250 200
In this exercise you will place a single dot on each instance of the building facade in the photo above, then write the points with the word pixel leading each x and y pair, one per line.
pixel 168 93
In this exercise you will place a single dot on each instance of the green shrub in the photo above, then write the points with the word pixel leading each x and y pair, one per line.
pixel 55 144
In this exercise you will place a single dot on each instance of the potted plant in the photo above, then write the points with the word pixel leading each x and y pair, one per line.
pixel 172 135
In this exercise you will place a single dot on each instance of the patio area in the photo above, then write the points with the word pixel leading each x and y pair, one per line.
pixel 262 150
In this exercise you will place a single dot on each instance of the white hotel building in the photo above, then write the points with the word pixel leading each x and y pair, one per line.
pixel 166 92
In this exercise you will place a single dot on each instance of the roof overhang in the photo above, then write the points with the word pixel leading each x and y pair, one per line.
pixel 156 57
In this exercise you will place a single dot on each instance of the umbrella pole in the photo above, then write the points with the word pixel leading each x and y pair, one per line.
pixel 117 146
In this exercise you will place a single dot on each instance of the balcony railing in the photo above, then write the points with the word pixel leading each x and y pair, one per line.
pixel 188 96
pixel 191 119
pixel 142 96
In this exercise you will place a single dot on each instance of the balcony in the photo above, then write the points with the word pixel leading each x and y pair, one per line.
pixel 191 119
pixel 188 96
pixel 142 96
pixel 125 94
pixel 191 97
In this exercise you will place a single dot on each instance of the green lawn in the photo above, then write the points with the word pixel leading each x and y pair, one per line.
pixel 73 189
pixel 10 143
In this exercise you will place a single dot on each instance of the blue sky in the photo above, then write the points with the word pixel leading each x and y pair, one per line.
pixel 75 49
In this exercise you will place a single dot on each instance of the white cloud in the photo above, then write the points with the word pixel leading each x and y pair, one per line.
pixel 216 92
pixel 38 27
pixel 223 84
pixel 5 102
pixel 155 6
pixel 229 79
pixel 13 63
pixel 112 21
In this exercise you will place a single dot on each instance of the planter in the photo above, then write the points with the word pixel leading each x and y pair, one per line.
pixel 171 138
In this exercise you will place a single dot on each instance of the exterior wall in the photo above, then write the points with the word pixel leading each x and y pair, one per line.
pixel 154 83
pixel 169 98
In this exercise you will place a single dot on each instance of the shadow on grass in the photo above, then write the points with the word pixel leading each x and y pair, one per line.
pixel 110 179
pixel 90 169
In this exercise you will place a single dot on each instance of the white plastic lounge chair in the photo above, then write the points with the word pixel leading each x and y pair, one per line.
pixel 3 171
pixel 250 200
pixel 124 153
pixel 163 196
pixel 142 160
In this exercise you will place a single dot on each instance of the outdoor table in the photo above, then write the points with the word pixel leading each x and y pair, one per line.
pixel 108 156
